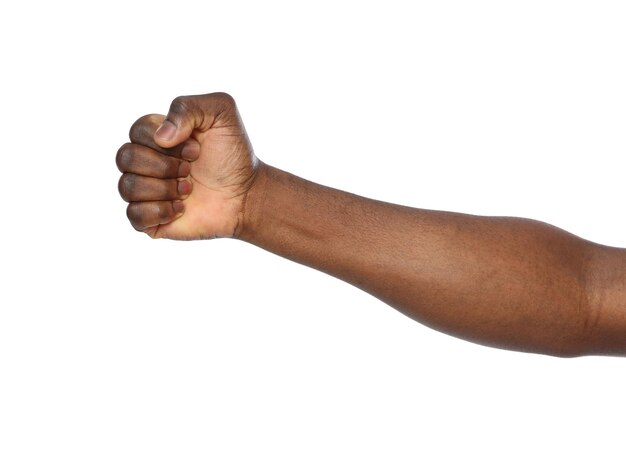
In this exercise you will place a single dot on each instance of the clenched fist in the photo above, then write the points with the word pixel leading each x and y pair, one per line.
pixel 187 175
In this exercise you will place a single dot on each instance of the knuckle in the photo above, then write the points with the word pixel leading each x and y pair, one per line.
pixel 224 105
pixel 123 158
pixel 225 98
pixel 144 127
pixel 181 105
pixel 134 215
pixel 137 128
pixel 126 185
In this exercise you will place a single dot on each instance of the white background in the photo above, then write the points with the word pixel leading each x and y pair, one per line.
pixel 114 346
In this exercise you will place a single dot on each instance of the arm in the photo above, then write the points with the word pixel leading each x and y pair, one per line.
pixel 505 282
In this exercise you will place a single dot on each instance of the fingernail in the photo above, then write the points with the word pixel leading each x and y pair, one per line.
pixel 184 187
pixel 179 207
pixel 166 131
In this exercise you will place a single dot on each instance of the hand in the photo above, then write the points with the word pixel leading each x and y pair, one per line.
pixel 187 174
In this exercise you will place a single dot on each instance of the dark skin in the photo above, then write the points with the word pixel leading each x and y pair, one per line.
pixel 504 282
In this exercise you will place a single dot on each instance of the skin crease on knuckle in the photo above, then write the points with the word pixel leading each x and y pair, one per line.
pixel 141 160
pixel 227 100
pixel 123 158
pixel 135 188
pixel 126 186
pixel 151 163
pixel 157 189
pixel 182 105
pixel 226 103
pixel 145 215
pixel 144 127
pixel 135 216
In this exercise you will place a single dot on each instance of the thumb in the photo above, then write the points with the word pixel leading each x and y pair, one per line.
pixel 184 116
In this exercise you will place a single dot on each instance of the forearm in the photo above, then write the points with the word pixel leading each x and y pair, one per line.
pixel 506 282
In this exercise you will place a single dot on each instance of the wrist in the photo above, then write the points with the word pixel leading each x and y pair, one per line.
pixel 253 204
